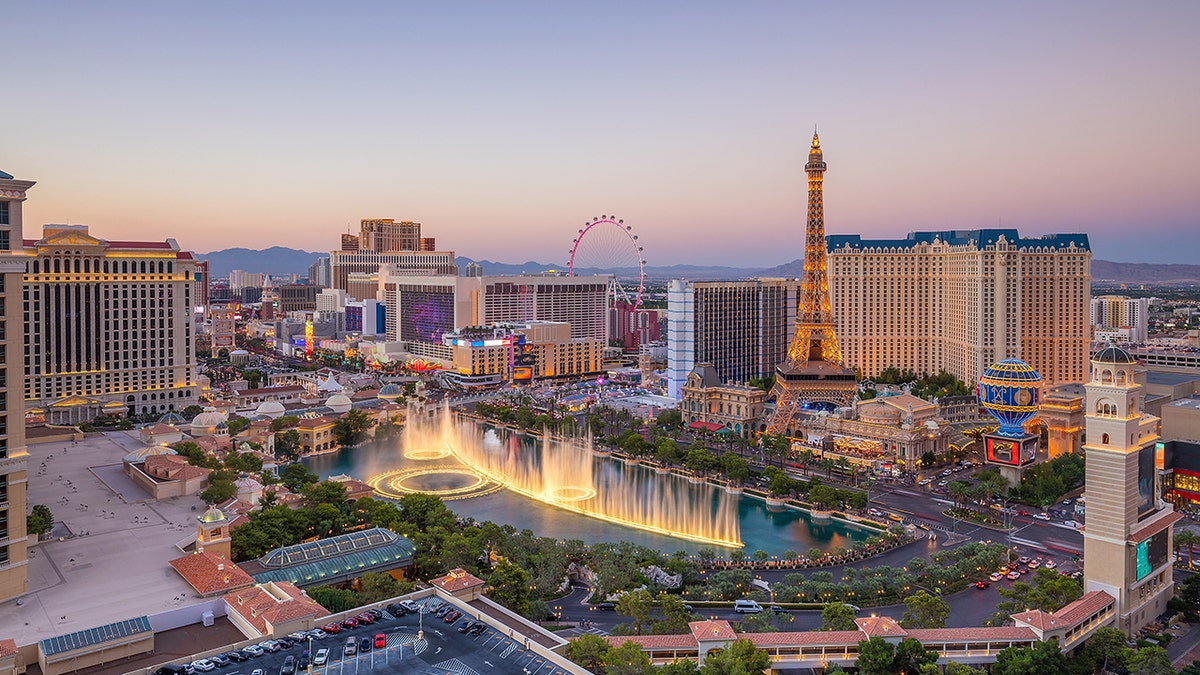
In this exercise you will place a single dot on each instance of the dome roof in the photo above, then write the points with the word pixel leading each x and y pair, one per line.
pixel 1115 355
pixel 141 454
pixel 171 418
pixel 212 515
pixel 338 403
pixel 390 392
pixel 270 409
pixel 878 412
pixel 1010 372
pixel 207 420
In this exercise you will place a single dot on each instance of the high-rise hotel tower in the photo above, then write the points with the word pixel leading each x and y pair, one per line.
pixel 13 458
pixel 961 300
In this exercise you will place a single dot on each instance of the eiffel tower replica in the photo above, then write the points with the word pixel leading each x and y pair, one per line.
pixel 813 371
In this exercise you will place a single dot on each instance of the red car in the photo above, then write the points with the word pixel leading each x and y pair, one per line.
pixel 365 618
pixel 332 628
pixel 982 584
pixel 350 623
pixel 380 641
pixel 452 616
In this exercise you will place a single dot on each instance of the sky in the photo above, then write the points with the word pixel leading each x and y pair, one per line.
pixel 504 126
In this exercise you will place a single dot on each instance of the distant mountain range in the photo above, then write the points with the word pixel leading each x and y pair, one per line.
pixel 279 260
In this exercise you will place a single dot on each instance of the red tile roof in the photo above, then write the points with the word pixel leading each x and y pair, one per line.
pixel 816 637
pixel 655 641
pixel 1082 608
pixel 8 647
pixel 173 467
pixel 713 629
pixel 1138 536
pixel 210 573
pixel 880 626
pixel 316 422
pixel 275 602
pixel 976 634
pixel 456 580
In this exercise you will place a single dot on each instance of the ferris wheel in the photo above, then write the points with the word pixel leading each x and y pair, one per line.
pixel 606 245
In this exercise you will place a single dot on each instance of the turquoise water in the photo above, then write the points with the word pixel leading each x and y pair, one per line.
pixel 772 529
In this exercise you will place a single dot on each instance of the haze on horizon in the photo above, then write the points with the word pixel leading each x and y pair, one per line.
pixel 502 127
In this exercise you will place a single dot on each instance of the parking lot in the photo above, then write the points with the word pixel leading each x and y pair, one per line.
pixel 416 642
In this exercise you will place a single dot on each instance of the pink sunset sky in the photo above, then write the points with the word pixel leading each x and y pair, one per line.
pixel 503 126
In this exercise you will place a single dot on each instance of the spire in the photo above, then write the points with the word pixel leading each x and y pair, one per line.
pixel 816 140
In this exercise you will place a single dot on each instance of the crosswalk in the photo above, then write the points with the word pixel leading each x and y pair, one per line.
pixel 455 666
pixel 409 641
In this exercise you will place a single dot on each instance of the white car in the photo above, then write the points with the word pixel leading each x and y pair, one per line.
pixel 1050 564
pixel 317 634
pixel 321 657
pixel 1070 523
pixel 203 665
pixel 1042 516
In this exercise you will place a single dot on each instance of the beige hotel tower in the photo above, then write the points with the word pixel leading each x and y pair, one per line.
pixel 1127 542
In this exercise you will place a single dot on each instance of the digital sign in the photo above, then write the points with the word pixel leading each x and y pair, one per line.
pixel 1151 554
pixel 1147 480
pixel 1011 452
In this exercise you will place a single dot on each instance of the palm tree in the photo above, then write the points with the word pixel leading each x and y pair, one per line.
pixel 806 457
pixel 960 491
pixel 827 465
pixel 1186 538
pixel 843 465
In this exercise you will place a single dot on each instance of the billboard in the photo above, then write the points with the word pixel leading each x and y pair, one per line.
pixel 1147 480
pixel 1011 451
pixel 1151 554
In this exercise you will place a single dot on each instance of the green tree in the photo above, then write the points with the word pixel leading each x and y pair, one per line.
pixel 629 659
pixel 40 520
pixel 955 668
pixel 334 599
pixel 379 586
pixel 1105 649
pixel 351 428
pixel 676 615
pixel 912 657
pixel 509 587
pixel 287 444
pixel 243 462
pixel 636 605
pixel 1150 661
pixel 218 491
pixel 679 667
pixel 875 657
pixel 237 425
pixel 190 412
pixel 589 651
pixel 739 658
pixel 1044 658
pixel 838 616
pixel 325 492
pixel 669 419
pixel 285 422
pixel 296 476
pixel 924 611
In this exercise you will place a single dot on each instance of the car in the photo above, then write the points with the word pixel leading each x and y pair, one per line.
pixel 332 628
pixel 1014 575
pixel 253 650
pixel 1076 574
pixel 408 605
pixel 305 659
pixel 1024 559
pixel 317 634
pixel 1042 516
pixel 478 628
pixel 1003 570
pixel 364 644
pixel 286 642
pixel 943 482
pixel 172 669
pixel 365 618
pixel 270 646
pixel 380 641
pixel 466 626
pixel 375 612
pixel 351 647
pixel 1066 502
pixel 288 667
pixel 746 607
pixel 258 671
pixel 1023 569
pixel 875 512
pixel 925 481
pixel 452 616
pixel 898 519
pixel 1033 564
pixel 235 656
pixel 1050 564
pixel 349 622
pixel 947 472
pixel 778 610
pixel 1070 523
pixel 995 576
pixel 203 665
pixel 299 635
pixel 321 658
pixel 442 611
pixel 606 606
pixel 1022 512
pixel 982 584
pixel 220 660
